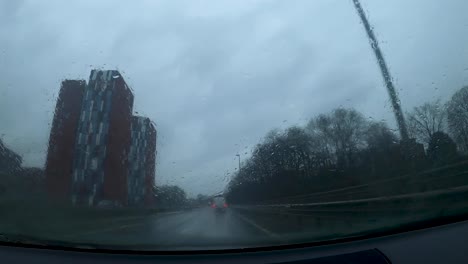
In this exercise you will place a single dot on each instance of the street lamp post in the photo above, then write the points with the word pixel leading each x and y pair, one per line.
pixel 385 73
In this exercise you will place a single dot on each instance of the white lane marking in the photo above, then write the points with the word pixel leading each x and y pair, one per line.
pixel 264 230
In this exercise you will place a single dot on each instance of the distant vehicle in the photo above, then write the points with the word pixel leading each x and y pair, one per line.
pixel 219 204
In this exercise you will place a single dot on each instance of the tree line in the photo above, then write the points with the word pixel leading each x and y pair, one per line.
pixel 174 197
pixel 169 196
pixel 17 181
pixel 344 148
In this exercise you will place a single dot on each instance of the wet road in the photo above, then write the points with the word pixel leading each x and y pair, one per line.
pixel 194 229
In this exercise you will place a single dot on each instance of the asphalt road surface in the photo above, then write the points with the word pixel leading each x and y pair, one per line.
pixel 202 228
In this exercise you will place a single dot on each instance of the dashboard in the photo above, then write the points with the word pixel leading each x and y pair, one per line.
pixel 441 244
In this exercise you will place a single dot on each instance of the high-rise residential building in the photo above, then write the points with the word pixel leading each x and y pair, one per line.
pixel 98 152
pixel 142 161
pixel 103 141
pixel 59 164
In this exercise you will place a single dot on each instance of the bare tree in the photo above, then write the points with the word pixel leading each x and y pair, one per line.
pixel 322 145
pixel 442 149
pixel 457 110
pixel 379 136
pixel 340 132
pixel 425 120
pixel 170 196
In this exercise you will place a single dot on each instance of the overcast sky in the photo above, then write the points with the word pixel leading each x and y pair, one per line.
pixel 216 76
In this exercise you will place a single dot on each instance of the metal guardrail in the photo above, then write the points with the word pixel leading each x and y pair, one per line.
pixel 460 190
pixel 360 215
pixel 425 180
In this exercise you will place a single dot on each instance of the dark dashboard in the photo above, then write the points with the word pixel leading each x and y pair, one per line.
pixel 442 244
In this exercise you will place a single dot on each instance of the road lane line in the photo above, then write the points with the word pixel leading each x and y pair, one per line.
pixel 264 230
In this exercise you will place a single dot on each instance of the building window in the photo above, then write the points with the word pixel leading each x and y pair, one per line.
pixel 94 164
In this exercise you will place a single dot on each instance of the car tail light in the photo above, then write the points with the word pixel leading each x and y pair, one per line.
pixel 225 205
pixel 213 206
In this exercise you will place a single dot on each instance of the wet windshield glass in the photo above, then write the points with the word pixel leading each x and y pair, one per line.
pixel 174 125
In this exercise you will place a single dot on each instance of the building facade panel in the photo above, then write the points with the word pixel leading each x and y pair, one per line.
pixel 118 141
pixel 141 161
pixel 59 162
pixel 150 165
pixel 96 146
pixel 137 159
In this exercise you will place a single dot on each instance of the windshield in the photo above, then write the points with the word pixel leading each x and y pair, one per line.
pixel 198 125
